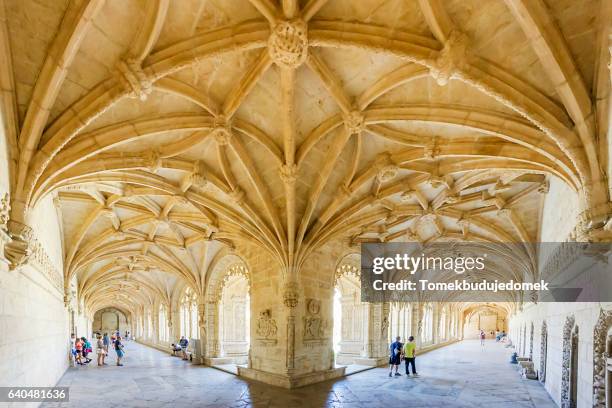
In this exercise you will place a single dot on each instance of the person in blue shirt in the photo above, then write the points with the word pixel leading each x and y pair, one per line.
pixel 395 356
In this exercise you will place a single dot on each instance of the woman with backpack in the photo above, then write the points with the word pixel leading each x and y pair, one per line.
pixel 86 349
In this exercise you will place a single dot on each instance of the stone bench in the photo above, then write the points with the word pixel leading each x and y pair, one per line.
pixel 527 369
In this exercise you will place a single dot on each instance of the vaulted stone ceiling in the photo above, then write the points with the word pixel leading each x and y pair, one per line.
pixel 171 131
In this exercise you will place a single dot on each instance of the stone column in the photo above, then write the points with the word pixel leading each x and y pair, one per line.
pixel 201 349
pixel 376 317
pixel 436 323
pixel 174 324
pixel 416 323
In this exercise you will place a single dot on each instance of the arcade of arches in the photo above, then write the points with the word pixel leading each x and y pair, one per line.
pixel 209 170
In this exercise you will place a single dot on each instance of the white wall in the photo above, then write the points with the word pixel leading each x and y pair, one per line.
pixel 586 315
pixel 33 320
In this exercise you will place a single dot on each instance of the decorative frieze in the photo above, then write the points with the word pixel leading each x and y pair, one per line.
pixel 291 295
pixel 566 361
pixel 5 209
pixel 266 328
pixel 23 248
pixel 600 357
pixel 314 324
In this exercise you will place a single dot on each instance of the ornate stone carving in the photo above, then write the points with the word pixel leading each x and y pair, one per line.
pixel 291 295
pixel 288 173
pixel 352 268
pixel 566 360
pixel 531 342
pixel 266 326
pixel 544 188
pixel 384 326
pixel 222 130
pixel 354 122
pixel 313 306
pixel 134 79
pixel 19 250
pixel 387 173
pixel 543 351
pixel 452 58
pixel 288 43
pixel 313 328
pixel 600 335
pixel 5 209
pixel 314 325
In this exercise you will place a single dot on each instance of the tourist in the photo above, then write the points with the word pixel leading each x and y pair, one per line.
pixel 119 350
pixel 482 338
pixel 78 345
pixel 175 349
pixel 86 349
pixel 106 342
pixel 72 349
pixel 183 342
pixel 101 350
pixel 410 356
pixel 395 356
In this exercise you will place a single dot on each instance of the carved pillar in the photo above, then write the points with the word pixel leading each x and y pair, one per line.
pixel 415 323
pixel 290 300
pixel 435 324
pixel 174 324
pixel 203 333
pixel 375 336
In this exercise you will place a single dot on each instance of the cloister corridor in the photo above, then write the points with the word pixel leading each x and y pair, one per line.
pixel 461 375
pixel 261 184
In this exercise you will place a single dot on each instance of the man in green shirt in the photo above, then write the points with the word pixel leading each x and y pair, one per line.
pixel 410 355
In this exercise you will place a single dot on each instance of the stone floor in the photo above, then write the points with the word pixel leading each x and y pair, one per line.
pixel 460 375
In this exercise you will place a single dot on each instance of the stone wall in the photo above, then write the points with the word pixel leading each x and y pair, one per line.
pixel 555 315
pixel 33 320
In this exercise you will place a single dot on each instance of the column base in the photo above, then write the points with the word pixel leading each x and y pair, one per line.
pixel 372 361
pixel 285 381
pixel 218 361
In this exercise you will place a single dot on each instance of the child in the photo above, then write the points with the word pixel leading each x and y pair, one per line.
pixel 78 345
pixel 410 355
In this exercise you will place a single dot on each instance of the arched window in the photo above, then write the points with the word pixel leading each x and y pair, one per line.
pixel 163 323
pixel 189 315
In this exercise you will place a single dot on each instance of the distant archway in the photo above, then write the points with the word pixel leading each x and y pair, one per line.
pixel 228 311
pixel 234 319
pixel 110 320
pixel 349 311
pixel 486 317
